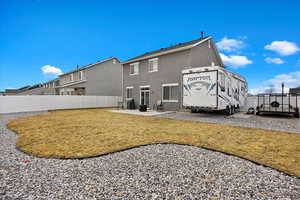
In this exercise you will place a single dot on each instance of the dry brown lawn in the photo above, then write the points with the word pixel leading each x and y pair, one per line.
pixel 93 132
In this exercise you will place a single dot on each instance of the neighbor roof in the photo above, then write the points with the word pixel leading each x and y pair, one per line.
pixel 295 90
pixel 171 49
pixel 90 65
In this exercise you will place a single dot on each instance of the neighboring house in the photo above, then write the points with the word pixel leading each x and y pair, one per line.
pixel 103 78
pixel 51 87
pixel 295 90
pixel 156 76
pixel 9 92
pixel 32 90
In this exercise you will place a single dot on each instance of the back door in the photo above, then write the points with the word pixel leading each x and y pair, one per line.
pixel 200 89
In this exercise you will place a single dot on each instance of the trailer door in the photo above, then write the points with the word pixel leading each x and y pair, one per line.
pixel 200 89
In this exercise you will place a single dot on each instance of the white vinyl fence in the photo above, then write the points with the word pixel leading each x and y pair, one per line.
pixel 11 104
pixel 250 102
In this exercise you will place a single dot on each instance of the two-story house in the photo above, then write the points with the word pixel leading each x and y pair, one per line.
pixel 51 87
pixel 156 77
pixel 103 78
pixel 48 88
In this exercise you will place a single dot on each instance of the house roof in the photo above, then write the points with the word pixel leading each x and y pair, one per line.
pixel 53 80
pixel 90 65
pixel 172 49
pixel 17 90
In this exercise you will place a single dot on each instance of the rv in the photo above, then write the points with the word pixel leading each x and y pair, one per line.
pixel 213 88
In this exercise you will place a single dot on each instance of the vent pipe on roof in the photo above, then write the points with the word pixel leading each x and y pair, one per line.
pixel 202 35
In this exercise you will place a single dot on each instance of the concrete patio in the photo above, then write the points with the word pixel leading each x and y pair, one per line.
pixel 137 112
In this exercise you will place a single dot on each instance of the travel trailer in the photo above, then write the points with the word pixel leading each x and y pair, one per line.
pixel 213 88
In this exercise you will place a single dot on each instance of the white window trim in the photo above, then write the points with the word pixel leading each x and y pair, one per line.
pixel 170 84
pixel 162 92
pixel 129 87
pixel 133 64
pixel 170 101
pixel 145 86
pixel 153 59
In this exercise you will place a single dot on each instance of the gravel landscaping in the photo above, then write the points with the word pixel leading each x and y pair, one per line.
pixel 162 171
pixel 268 122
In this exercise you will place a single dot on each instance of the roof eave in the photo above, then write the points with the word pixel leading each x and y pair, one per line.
pixel 91 65
pixel 167 52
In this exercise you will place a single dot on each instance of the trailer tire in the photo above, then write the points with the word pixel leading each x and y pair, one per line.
pixel 257 111
pixel 237 108
pixel 296 114
pixel 193 110
pixel 228 111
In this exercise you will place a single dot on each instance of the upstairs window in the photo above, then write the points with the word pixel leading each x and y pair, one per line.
pixel 134 69
pixel 153 65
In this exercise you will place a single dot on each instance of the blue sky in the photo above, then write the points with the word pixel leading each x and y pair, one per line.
pixel 258 39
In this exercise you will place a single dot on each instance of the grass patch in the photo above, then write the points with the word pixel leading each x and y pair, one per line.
pixel 92 132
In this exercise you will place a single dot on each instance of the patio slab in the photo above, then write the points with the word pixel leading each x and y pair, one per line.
pixel 137 112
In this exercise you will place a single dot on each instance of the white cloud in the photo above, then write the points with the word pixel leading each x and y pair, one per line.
pixel 230 45
pixel 290 80
pixel 51 70
pixel 274 60
pixel 268 89
pixel 235 61
pixel 257 90
pixel 283 48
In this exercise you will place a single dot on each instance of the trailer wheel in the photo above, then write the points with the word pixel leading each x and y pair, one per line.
pixel 296 114
pixel 228 111
pixel 257 111
pixel 238 108
pixel 193 110
pixel 232 110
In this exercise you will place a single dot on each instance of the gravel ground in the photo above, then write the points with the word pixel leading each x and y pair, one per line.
pixel 163 171
pixel 269 122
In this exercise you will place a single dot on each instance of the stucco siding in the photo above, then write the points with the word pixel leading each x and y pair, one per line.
pixel 203 55
pixel 169 71
pixel 38 91
pixel 104 79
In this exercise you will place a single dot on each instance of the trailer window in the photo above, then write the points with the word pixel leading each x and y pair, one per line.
pixel 244 88
pixel 222 82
